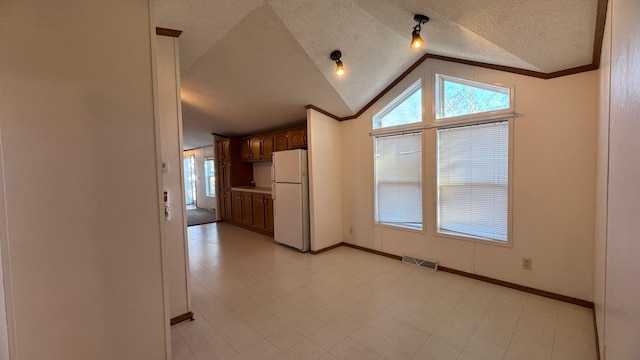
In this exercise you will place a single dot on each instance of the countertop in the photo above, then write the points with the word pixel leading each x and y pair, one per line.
pixel 253 189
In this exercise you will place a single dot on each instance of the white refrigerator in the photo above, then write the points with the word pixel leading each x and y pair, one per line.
pixel 291 199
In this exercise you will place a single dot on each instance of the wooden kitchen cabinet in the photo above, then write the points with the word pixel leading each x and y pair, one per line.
pixel 255 145
pixel 267 147
pixel 226 212
pixel 280 142
pixel 224 176
pixel 231 170
pixel 236 206
pixel 245 150
pixel 253 211
pixel 258 148
pixel 268 213
pixel 258 205
pixel 297 138
pixel 247 210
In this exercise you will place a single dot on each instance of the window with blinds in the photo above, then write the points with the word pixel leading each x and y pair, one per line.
pixel 398 180
pixel 473 180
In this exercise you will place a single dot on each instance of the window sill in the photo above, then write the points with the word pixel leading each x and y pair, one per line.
pixel 400 228
pixel 477 240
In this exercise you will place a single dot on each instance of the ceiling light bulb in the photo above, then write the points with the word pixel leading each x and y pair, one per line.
pixel 339 68
pixel 416 40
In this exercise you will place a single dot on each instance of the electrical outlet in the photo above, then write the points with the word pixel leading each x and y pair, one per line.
pixel 526 264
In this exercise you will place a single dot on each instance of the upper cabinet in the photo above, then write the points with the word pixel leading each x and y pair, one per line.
pixel 297 138
pixel 280 142
pixel 261 147
pixel 257 148
pixel 231 170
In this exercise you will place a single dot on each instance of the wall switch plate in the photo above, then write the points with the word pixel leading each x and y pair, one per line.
pixel 526 264
pixel 165 167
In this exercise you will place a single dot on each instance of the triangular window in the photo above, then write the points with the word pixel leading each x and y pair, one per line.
pixel 405 109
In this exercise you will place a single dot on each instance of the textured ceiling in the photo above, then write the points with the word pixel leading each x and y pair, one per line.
pixel 249 66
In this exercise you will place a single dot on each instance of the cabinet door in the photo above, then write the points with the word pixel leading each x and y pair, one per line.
pixel 226 150
pixel 280 142
pixel 228 206
pixel 245 150
pixel 268 210
pixel 247 209
pixel 227 176
pixel 297 138
pixel 258 210
pixel 254 145
pixel 236 206
pixel 221 212
pixel 225 205
pixel 219 152
pixel 267 147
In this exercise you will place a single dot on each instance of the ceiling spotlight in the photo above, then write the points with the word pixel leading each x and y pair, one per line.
pixel 416 40
pixel 335 56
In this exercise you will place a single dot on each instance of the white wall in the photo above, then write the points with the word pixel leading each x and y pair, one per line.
pixel 619 208
pixel 602 175
pixel 553 185
pixel 262 173
pixel 172 180
pixel 200 154
pixel 325 180
pixel 82 249
pixel 4 331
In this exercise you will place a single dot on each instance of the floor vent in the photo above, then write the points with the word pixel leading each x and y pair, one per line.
pixel 428 264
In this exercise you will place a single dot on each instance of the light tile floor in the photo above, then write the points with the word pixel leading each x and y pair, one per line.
pixel 254 299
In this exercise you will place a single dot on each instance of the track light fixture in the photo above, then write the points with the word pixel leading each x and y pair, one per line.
pixel 416 40
pixel 335 56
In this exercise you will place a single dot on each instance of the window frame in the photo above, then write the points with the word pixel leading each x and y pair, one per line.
pixel 393 104
pixel 487 116
pixel 466 120
pixel 376 223
pixel 417 127
pixel 435 210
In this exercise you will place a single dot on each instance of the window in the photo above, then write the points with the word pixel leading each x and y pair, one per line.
pixel 210 176
pixel 398 182
pixel 459 98
pixel 398 162
pixel 406 109
pixel 466 140
pixel 190 180
pixel 473 179
pixel 472 158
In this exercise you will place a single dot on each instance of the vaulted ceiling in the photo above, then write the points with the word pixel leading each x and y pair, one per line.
pixel 252 65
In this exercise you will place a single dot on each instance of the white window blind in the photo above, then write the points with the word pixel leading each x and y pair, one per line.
pixel 473 191
pixel 398 180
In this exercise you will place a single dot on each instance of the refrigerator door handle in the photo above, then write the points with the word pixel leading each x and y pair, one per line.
pixel 273 173
pixel 273 191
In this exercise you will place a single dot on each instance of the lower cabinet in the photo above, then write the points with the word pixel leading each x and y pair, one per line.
pixel 253 211
pixel 236 206
pixel 269 213
pixel 225 205
pixel 259 212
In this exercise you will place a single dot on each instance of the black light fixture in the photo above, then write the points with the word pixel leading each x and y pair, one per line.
pixel 416 40
pixel 335 56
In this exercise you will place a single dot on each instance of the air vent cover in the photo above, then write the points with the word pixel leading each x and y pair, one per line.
pixel 428 264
